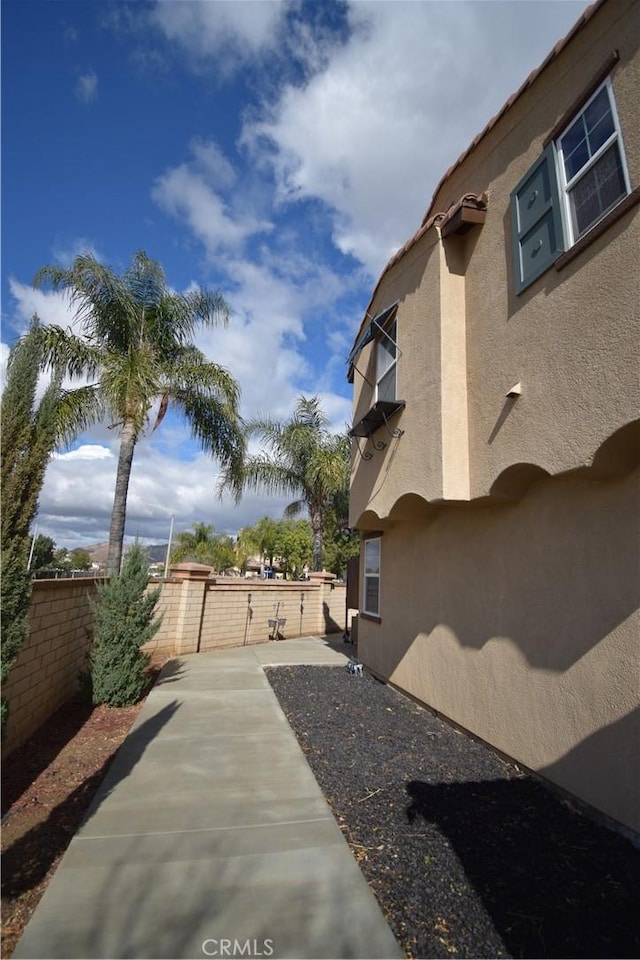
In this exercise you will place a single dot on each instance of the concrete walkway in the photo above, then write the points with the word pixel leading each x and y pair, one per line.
pixel 210 836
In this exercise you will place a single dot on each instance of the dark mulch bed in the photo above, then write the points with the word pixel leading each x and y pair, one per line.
pixel 468 856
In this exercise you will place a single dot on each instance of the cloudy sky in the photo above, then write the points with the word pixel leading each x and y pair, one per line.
pixel 277 151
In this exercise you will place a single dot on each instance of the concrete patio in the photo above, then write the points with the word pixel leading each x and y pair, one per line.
pixel 210 835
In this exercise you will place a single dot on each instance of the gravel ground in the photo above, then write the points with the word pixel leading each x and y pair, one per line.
pixel 468 856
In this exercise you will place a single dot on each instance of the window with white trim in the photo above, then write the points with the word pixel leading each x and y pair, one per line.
pixel 591 163
pixel 386 363
pixel 580 177
pixel 371 577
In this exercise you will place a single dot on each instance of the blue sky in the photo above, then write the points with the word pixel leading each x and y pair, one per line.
pixel 277 151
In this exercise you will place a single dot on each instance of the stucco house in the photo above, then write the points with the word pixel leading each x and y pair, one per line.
pixel 496 435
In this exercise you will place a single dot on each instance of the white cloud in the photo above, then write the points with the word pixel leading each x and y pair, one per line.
pixel 77 497
pixel 65 253
pixel 372 133
pixel 50 306
pixel 191 192
pixel 228 31
pixel 86 88
pixel 86 451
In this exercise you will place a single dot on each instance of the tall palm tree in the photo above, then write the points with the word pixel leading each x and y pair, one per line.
pixel 302 459
pixel 134 346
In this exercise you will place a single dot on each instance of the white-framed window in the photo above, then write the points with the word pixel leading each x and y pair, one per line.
pixel 579 178
pixel 386 363
pixel 591 163
pixel 371 577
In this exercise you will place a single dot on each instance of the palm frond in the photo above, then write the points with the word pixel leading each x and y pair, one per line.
pixel 216 425
pixel 67 353
pixel 77 411
pixel 295 509
pixel 103 304
pixel 190 371
pixel 266 474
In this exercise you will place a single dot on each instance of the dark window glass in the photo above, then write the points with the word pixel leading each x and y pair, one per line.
pixel 371 594
pixel 597 191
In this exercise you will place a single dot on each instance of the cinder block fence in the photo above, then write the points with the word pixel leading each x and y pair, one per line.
pixel 199 614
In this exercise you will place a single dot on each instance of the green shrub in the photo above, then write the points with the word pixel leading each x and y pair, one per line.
pixel 28 432
pixel 124 621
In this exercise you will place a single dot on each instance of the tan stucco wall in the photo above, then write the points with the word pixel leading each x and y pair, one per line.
pixel 520 622
pixel 414 461
pixel 572 338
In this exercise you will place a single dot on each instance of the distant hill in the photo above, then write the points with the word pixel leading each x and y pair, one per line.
pixel 99 552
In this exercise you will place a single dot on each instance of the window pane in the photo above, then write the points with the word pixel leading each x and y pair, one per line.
pixel 587 134
pixel 387 385
pixel 600 132
pixel 385 359
pixel 599 120
pixel 598 191
pixel 372 556
pixel 371 594
pixel 575 148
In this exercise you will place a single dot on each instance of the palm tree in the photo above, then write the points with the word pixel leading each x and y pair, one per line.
pixel 203 545
pixel 302 459
pixel 134 346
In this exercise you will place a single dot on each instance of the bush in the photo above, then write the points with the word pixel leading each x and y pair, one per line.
pixel 124 621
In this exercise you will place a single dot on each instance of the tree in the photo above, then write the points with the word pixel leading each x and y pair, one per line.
pixel 342 542
pixel 263 535
pixel 29 433
pixel 302 459
pixel 203 545
pixel 80 559
pixel 61 559
pixel 135 348
pixel 287 542
pixel 43 552
pixel 341 545
pixel 294 546
pixel 124 621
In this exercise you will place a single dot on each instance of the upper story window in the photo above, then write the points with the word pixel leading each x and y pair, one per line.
pixel 386 363
pixel 591 163
pixel 572 186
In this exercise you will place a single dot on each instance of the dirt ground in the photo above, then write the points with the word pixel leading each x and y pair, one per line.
pixel 47 786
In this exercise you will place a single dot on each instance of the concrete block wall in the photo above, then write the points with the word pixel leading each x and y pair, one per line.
pixel 164 642
pixel 198 615
pixel 45 674
pixel 237 613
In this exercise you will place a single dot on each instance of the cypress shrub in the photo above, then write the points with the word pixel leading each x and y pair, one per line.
pixel 28 433
pixel 124 621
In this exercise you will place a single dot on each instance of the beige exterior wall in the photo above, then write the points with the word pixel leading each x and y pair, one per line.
pixel 520 622
pixel 510 556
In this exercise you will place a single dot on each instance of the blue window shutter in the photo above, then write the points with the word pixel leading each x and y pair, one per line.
pixel 536 218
